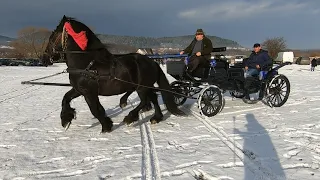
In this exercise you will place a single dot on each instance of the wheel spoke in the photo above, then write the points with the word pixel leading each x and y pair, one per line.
pixel 283 82
pixel 210 109
pixel 274 96
pixel 282 94
pixel 205 108
pixel 279 98
pixel 215 97
pixel 283 87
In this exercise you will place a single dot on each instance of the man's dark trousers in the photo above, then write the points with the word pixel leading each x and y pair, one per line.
pixel 196 61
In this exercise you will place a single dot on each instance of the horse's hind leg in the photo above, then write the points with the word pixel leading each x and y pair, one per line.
pixel 147 106
pixel 99 112
pixel 158 116
pixel 68 113
pixel 134 114
pixel 124 99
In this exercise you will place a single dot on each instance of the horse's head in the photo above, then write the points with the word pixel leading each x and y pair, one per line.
pixel 55 41
pixel 71 35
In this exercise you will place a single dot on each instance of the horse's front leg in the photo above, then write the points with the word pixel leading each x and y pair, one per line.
pixel 98 112
pixel 68 113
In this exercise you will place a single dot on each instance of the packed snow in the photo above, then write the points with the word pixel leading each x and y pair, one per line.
pixel 244 141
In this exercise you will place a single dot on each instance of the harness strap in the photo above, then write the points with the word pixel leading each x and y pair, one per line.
pixel 89 65
pixel 95 75
pixel 150 87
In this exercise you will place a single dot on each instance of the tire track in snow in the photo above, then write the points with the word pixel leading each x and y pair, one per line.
pixel 16 90
pixel 150 169
pixel 247 157
pixel 21 92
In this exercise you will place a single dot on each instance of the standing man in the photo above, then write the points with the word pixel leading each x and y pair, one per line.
pixel 313 64
pixel 200 51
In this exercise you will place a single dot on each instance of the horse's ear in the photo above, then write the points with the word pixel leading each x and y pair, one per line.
pixel 64 17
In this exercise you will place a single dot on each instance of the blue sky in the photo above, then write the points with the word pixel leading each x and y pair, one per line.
pixel 245 21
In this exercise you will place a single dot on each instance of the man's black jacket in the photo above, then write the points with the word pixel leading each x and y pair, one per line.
pixel 206 48
pixel 261 58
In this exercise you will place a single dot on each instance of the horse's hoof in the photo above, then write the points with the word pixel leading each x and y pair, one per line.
pixel 153 121
pixel 107 127
pixel 129 120
pixel 146 108
pixel 106 131
pixel 66 126
pixel 67 116
pixel 123 105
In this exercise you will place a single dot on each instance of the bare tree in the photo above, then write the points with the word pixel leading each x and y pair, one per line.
pixel 31 41
pixel 274 46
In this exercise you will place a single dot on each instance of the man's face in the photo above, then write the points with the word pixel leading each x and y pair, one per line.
pixel 257 49
pixel 199 37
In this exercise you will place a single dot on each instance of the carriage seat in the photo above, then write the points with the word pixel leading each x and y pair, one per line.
pixel 211 68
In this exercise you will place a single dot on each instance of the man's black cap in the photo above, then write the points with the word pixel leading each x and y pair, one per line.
pixel 256 45
pixel 199 31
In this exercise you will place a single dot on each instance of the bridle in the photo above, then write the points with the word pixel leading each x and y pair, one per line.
pixel 64 37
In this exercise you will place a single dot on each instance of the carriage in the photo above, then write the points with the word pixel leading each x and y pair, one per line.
pixel 209 84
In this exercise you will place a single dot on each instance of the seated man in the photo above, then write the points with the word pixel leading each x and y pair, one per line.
pixel 258 60
pixel 200 51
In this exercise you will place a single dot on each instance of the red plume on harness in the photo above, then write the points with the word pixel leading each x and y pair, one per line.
pixel 80 38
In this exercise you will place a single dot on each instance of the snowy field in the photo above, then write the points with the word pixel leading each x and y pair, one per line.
pixel 242 142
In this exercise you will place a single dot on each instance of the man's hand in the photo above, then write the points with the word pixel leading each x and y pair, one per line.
pixel 246 68
pixel 257 66
pixel 182 52
pixel 198 54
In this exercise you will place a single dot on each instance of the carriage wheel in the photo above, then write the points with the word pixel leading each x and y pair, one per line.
pixel 210 101
pixel 278 91
pixel 180 88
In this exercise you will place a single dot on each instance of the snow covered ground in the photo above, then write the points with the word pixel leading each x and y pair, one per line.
pixel 242 142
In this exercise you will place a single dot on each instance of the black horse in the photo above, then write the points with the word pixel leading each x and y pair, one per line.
pixel 123 100
pixel 94 71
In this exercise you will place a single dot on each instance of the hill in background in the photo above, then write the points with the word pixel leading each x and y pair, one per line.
pixel 179 42
pixel 5 39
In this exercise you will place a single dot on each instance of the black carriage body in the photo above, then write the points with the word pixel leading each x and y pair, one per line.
pixel 221 75
pixel 230 79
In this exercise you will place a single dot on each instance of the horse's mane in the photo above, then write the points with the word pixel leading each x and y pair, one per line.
pixel 89 32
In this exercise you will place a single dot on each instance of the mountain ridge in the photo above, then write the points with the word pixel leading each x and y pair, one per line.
pixel 150 42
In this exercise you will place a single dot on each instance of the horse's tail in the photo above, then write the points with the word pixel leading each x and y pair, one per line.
pixel 167 97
